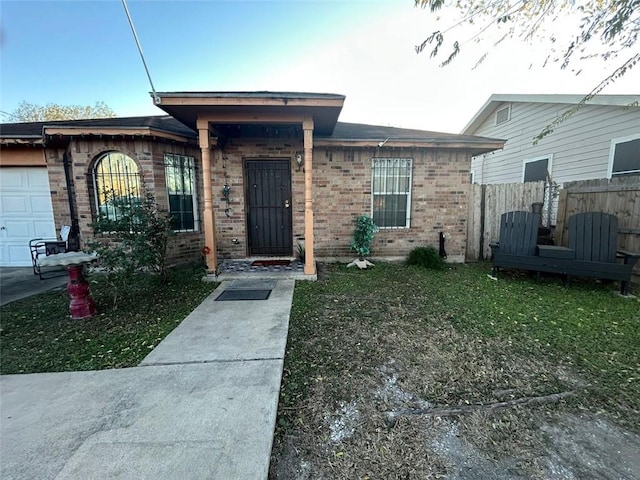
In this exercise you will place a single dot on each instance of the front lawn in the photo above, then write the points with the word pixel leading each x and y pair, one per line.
pixel 37 334
pixel 372 354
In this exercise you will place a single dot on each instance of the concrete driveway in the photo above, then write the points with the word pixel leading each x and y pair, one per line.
pixel 20 282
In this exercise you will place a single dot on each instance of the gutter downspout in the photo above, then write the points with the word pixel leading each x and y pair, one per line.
pixel 73 242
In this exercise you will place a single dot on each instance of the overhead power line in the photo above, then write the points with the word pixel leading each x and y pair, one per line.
pixel 156 99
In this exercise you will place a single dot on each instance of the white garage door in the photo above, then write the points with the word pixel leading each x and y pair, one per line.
pixel 25 213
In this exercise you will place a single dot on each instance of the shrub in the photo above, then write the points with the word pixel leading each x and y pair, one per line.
pixel 301 253
pixel 136 240
pixel 426 257
pixel 363 236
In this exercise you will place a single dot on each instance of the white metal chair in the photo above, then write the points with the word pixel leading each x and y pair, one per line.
pixel 40 247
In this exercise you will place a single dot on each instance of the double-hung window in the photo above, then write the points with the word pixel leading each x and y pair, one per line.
pixel 181 188
pixel 391 192
pixel 624 158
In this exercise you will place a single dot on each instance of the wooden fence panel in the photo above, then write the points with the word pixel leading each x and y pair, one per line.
pixel 474 222
pixel 619 196
pixel 487 203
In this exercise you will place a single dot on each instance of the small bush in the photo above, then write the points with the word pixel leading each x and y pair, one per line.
pixel 135 240
pixel 425 257
pixel 363 236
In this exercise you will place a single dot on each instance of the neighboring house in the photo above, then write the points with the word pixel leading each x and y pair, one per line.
pixel 600 140
pixel 246 174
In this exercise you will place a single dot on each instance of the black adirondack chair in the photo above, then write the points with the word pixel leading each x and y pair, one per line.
pixel 517 245
pixel 593 236
pixel 592 250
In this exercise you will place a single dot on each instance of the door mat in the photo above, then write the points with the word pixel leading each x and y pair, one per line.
pixel 270 263
pixel 230 295
pixel 252 284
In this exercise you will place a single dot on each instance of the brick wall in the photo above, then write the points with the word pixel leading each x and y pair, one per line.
pixel 227 167
pixel 149 155
pixel 342 191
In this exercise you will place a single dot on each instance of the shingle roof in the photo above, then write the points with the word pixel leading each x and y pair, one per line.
pixel 344 133
pixel 358 131
pixel 163 123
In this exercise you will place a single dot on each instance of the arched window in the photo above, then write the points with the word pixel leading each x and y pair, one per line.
pixel 116 181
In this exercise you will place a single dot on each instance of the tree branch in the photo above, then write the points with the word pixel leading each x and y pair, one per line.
pixel 465 409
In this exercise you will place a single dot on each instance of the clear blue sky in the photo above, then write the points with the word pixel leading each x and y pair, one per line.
pixel 80 52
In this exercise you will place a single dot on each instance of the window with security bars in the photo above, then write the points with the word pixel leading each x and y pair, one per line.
pixel 181 188
pixel 116 181
pixel 391 192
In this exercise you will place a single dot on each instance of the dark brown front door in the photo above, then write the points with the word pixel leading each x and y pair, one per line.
pixel 268 190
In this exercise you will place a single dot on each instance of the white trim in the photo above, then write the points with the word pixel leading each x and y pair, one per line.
pixel 494 100
pixel 407 223
pixel 549 159
pixel 507 107
pixel 612 150
pixel 472 175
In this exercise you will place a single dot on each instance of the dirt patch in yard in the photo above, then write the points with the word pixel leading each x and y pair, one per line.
pixel 396 397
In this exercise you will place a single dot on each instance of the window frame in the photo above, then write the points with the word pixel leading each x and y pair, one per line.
pixel 548 158
pixel 194 190
pixel 94 180
pixel 508 109
pixel 407 223
pixel 612 152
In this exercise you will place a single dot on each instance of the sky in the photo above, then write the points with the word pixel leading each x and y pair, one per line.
pixel 80 52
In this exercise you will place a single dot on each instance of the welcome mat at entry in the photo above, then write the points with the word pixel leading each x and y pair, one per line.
pixel 253 289
pixel 229 295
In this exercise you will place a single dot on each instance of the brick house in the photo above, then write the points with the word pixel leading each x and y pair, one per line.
pixel 247 174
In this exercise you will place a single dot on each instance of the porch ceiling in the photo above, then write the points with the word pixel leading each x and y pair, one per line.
pixel 188 106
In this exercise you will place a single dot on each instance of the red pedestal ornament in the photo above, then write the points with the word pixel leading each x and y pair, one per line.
pixel 81 305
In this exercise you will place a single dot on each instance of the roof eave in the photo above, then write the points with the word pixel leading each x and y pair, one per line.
pixel 475 147
pixel 21 140
pixel 120 131
pixel 188 107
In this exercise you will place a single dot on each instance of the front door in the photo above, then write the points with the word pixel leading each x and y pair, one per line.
pixel 269 220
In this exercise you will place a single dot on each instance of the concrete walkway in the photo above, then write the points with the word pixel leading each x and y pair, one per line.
pixel 202 405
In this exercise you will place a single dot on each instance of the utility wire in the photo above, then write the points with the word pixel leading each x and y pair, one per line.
pixel 10 115
pixel 156 99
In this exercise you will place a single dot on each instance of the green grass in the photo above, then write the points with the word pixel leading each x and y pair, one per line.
pixel 586 329
pixel 37 334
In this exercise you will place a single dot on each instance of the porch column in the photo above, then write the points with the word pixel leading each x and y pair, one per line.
pixel 309 262
pixel 209 222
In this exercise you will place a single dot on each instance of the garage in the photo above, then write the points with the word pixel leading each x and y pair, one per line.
pixel 26 212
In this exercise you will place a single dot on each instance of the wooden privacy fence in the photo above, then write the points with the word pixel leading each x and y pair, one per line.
pixel 619 196
pixel 487 203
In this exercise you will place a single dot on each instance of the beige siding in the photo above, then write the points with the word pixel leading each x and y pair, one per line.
pixel 580 146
